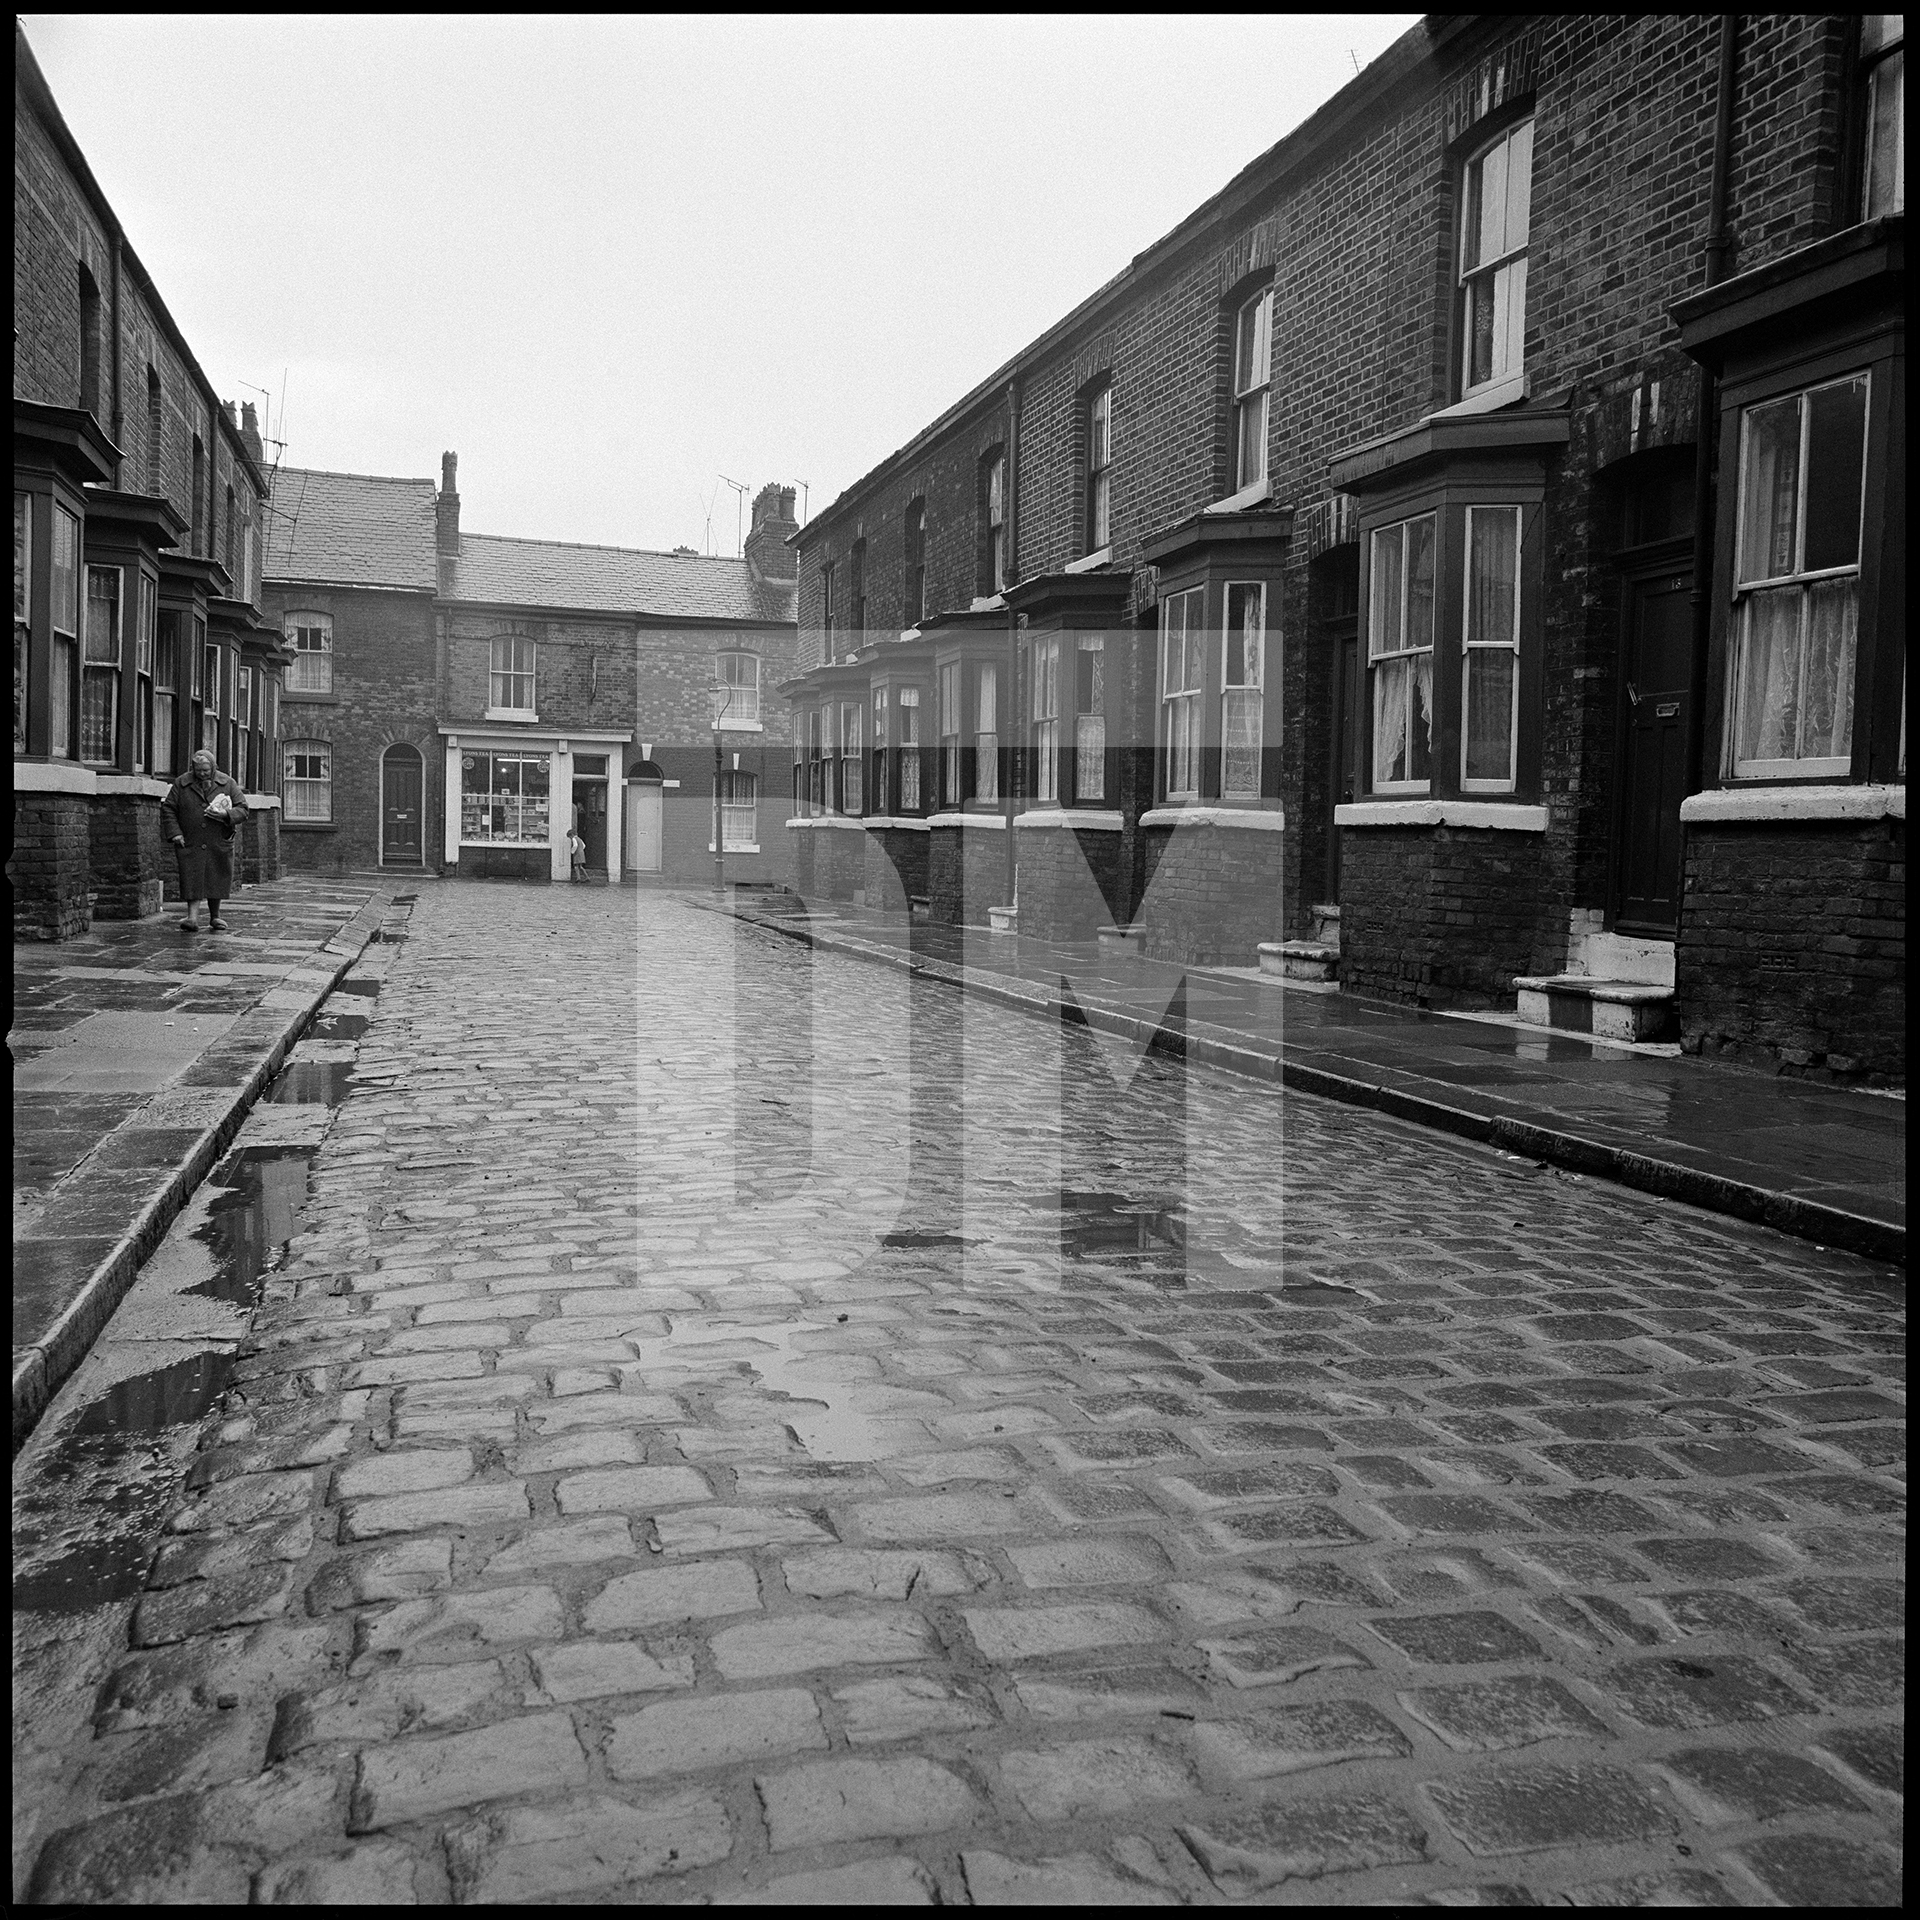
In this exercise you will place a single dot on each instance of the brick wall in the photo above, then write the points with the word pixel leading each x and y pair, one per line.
pixel 47 868
pixel 128 857
pixel 1438 917
pixel 383 695
pixel 966 874
pixel 258 845
pixel 896 867
pixel 1071 883
pixel 1792 946
pixel 1213 893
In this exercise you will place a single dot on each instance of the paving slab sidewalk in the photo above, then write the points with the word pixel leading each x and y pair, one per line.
pixel 137 1051
pixel 1825 1163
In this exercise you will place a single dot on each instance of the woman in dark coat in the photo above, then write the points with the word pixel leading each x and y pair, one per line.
pixel 202 836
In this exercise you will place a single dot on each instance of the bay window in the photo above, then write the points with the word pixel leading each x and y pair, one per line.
pixel 1490 651
pixel 1497 201
pixel 1090 718
pixel 986 735
pixel 307 784
pixel 503 798
pixel 910 745
pixel 510 679
pixel 1400 654
pixel 311 637
pixel 879 749
pixel 950 794
pixel 1797 582
pixel 143 652
pixel 850 757
pixel 1045 734
pixel 817 749
pixel 243 767
pixel 1242 693
pixel 166 683
pixel 100 679
pixel 1252 371
pixel 210 712
pixel 1182 656
pixel 64 596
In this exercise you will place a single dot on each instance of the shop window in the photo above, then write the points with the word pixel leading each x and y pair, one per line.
pixel 1099 442
pixel 1884 111
pixel 1252 372
pixel 993 521
pixel 1090 718
pixel 1242 659
pixel 851 753
pixel 986 734
pixel 739 674
pixel 64 596
pixel 307 779
pixel 510 681
pixel 504 799
pixel 950 794
pixel 1400 654
pixel 914 584
pixel 310 635
pixel 1797 582
pixel 1497 199
pixel 100 679
pixel 1182 651
pixel 1045 732
pixel 22 613
pixel 910 745
pixel 739 796
pixel 166 694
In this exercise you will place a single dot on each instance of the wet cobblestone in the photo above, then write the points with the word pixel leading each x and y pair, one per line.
pixel 687 1455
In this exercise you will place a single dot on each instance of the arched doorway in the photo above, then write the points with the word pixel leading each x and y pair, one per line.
pixel 402 798
pixel 646 798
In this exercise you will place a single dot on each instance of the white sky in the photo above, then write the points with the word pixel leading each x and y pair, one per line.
pixel 608 260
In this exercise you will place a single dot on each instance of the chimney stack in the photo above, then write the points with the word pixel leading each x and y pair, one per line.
pixel 446 510
pixel 250 434
pixel 768 555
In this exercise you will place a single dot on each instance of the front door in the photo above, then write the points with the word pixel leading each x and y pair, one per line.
pixel 1658 658
pixel 590 821
pixel 644 801
pixel 400 792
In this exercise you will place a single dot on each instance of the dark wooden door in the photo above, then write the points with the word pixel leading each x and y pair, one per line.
pixel 590 814
pixel 401 787
pixel 1659 662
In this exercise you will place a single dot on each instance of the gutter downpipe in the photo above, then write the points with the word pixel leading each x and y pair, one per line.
pixel 1013 707
pixel 1719 245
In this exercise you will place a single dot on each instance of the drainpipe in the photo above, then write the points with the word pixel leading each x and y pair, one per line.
pixel 1719 245
pixel 1013 708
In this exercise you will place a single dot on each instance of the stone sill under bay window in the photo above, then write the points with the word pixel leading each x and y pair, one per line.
pixel 1757 806
pixel 997 821
pixel 54 776
pixel 1507 817
pixel 827 820
pixel 1088 562
pixel 1082 819
pixel 754 848
pixel 1258 819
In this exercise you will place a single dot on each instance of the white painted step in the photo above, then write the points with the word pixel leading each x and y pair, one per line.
pixel 1635 1010
pixel 1299 959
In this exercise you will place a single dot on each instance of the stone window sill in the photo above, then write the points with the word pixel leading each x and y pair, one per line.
pixel 306 826
pixel 989 820
pixel 1086 819
pixel 1730 805
pixel 1087 562
pixel 1260 819
pixel 1504 816
pixel 1253 496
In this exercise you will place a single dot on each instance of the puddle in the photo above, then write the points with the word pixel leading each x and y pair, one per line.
pixel 312 1083
pixel 341 1026
pixel 923 1240
pixel 249 1227
pixel 828 1430
pixel 1094 1225
pixel 366 989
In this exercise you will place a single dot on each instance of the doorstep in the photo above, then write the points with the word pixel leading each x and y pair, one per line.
pixel 1630 1010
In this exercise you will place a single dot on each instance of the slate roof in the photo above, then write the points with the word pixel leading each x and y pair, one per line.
pixel 362 530
pixel 556 573
pixel 354 528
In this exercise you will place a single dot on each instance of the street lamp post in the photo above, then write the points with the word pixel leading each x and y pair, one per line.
pixel 722 698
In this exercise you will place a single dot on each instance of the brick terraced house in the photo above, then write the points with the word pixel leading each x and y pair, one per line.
pixel 458 702
pixel 138 514
pixel 1463 555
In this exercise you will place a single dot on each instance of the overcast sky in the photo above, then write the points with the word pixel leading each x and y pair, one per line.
pixel 610 260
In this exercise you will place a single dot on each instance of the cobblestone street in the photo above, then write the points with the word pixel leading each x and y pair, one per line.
pixel 734 1422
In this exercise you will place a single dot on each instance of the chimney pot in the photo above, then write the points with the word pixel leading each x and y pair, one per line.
pixel 768 555
pixel 446 512
pixel 250 433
